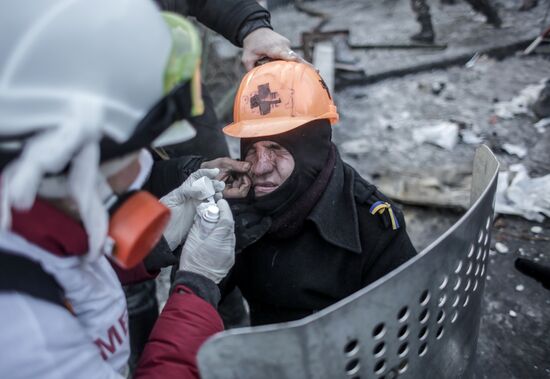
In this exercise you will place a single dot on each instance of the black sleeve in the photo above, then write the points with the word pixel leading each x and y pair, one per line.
pixel 225 17
pixel 228 284
pixel 201 286
pixel 161 256
pixel 167 175
pixel 394 248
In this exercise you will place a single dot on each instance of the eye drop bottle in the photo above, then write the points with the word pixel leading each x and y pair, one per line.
pixel 209 218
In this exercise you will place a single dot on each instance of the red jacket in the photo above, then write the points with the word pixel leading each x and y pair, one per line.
pixel 184 324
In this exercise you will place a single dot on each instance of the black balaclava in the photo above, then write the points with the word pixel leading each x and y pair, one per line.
pixel 309 145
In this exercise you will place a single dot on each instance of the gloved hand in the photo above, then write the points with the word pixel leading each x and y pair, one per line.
pixel 183 202
pixel 264 42
pixel 214 255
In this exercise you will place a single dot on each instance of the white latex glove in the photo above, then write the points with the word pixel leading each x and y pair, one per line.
pixel 183 202
pixel 264 42
pixel 214 255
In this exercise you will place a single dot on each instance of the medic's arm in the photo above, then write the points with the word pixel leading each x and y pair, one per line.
pixel 186 321
pixel 190 315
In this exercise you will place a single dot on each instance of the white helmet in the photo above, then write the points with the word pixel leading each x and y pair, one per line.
pixel 80 82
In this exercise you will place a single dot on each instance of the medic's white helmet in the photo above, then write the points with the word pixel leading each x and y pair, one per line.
pixel 86 81
pixel 58 56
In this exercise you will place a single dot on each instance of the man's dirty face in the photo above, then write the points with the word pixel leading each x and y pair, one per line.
pixel 271 164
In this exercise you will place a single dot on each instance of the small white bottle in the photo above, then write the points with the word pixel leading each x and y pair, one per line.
pixel 209 218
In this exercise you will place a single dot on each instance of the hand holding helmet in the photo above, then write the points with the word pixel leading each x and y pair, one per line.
pixel 183 202
pixel 214 255
pixel 264 42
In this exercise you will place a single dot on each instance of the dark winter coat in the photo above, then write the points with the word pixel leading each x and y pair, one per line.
pixel 341 249
pixel 225 17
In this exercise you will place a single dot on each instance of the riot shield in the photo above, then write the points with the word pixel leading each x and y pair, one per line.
pixel 419 321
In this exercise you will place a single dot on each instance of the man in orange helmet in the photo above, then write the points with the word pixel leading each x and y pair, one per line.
pixel 310 231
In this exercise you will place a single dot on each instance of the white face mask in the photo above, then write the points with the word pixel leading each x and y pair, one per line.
pixel 95 218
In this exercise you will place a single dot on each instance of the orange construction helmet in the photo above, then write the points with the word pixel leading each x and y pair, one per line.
pixel 277 97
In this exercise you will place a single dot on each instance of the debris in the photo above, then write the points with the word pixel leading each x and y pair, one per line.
pixel 323 60
pixel 536 229
pixel 439 190
pixel 527 4
pixel 437 87
pixel 522 252
pixel 512 149
pixel 343 52
pixel 501 248
pixel 541 108
pixel 542 124
pixel 520 287
pixel 355 147
pixel 513 314
pixel 521 103
pixel 443 134
pixel 518 194
pixel 473 60
pixel 536 42
pixel 492 253
pixel 470 138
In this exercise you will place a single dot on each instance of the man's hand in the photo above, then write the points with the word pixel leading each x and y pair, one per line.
pixel 234 174
pixel 265 43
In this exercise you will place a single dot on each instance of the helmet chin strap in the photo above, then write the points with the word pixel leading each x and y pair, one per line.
pixel 87 186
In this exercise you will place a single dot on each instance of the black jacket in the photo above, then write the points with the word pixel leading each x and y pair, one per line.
pixel 342 248
pixel 225 17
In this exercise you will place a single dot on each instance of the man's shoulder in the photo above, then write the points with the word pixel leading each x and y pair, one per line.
pixel 374 207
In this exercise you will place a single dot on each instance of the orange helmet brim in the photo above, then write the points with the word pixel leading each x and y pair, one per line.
pixel 272 126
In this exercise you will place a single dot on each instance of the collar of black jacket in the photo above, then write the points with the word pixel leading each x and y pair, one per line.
pixel 336 212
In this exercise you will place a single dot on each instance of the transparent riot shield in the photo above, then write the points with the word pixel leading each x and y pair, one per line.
pixel 419 321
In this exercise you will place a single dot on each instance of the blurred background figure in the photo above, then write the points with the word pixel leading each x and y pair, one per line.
pixel 424 18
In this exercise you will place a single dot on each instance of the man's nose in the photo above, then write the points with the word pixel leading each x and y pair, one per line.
pixel 264 162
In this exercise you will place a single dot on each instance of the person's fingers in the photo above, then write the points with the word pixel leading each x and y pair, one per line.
pixel 249 60
pixel 291 55
pixel 240 167
pixel 236 192
pixel 227 164
pixel 210 164
pixel 233 193
pixel 246 183
pixel 225 176
pixel 239 188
